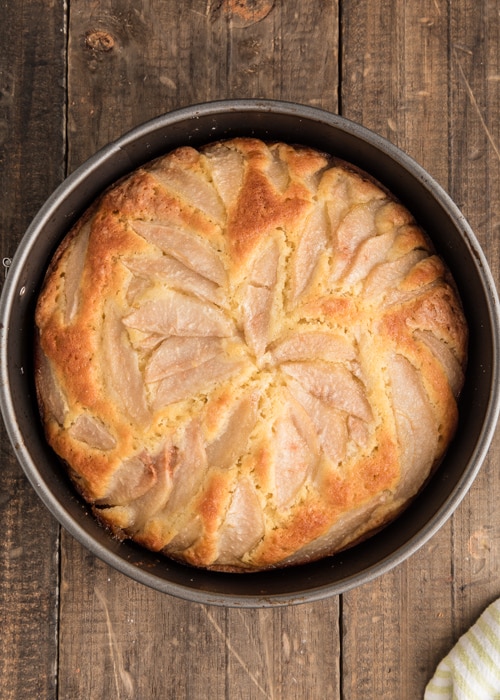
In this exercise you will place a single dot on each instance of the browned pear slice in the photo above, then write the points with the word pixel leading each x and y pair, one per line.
pixel 131 480
pixel 190 467
pixel 92 432
pixel 384 276
pixel 296 453
pixel 232 443
pixel 256 315
pixel 313 345
pixel 191 382
pixel 264 269
pixel 120 367
pixel 415 421
pixel 370 253
pixel 54 400
pixel 187 536
pixel 177 314
pixel 338 203
pixel 177 354
pixel 277 171
pixel 193 188
pixel 446 358
pixel 175 274
pixel 329 423
pixel 259 298
pixel 312 242
pixel 154 499
pixel 358 430
pixel 333 384
pixel 356 226
pixel 227 170
pixel 73 272
pixel 185 246
pixel 243 525
pixel 136 288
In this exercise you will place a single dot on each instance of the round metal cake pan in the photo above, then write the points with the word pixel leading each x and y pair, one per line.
pixel 454 241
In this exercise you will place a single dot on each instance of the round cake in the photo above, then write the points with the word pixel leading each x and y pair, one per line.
pixel 248 355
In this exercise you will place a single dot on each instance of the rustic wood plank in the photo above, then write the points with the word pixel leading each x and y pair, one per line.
pixel 396 66
pixel 32 104
pixel 130 64
pixel 298 650
pixel 404 65
pixel 28 587
pixel 474 179
pixel 291 54
pixel 133 642
pixel 125 66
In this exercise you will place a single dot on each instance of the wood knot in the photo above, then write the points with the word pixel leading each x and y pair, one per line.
pixel 244 13
pixel 99 40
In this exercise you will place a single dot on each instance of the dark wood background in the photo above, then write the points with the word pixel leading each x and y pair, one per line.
pixel 75 74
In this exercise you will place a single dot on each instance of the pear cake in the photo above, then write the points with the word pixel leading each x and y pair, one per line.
pixel 248 355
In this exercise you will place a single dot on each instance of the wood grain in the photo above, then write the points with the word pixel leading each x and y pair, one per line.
pixel 395 86
pixel 133 642
pixel 426 75
pixel 125 66
pixel 32 105
pixel 474 183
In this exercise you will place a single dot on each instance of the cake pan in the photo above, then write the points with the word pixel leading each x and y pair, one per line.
pixel 435 212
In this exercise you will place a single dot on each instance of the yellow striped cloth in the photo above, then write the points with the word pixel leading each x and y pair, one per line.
pixel 471 671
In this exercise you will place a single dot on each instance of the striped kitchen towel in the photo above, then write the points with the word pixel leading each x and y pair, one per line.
pixel 471 671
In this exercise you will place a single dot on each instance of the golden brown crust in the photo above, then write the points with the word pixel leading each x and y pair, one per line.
pixel 249 355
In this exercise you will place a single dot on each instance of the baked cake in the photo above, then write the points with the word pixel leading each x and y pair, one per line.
pixel 248 355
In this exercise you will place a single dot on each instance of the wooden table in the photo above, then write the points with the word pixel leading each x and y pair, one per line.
pixel 75 75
